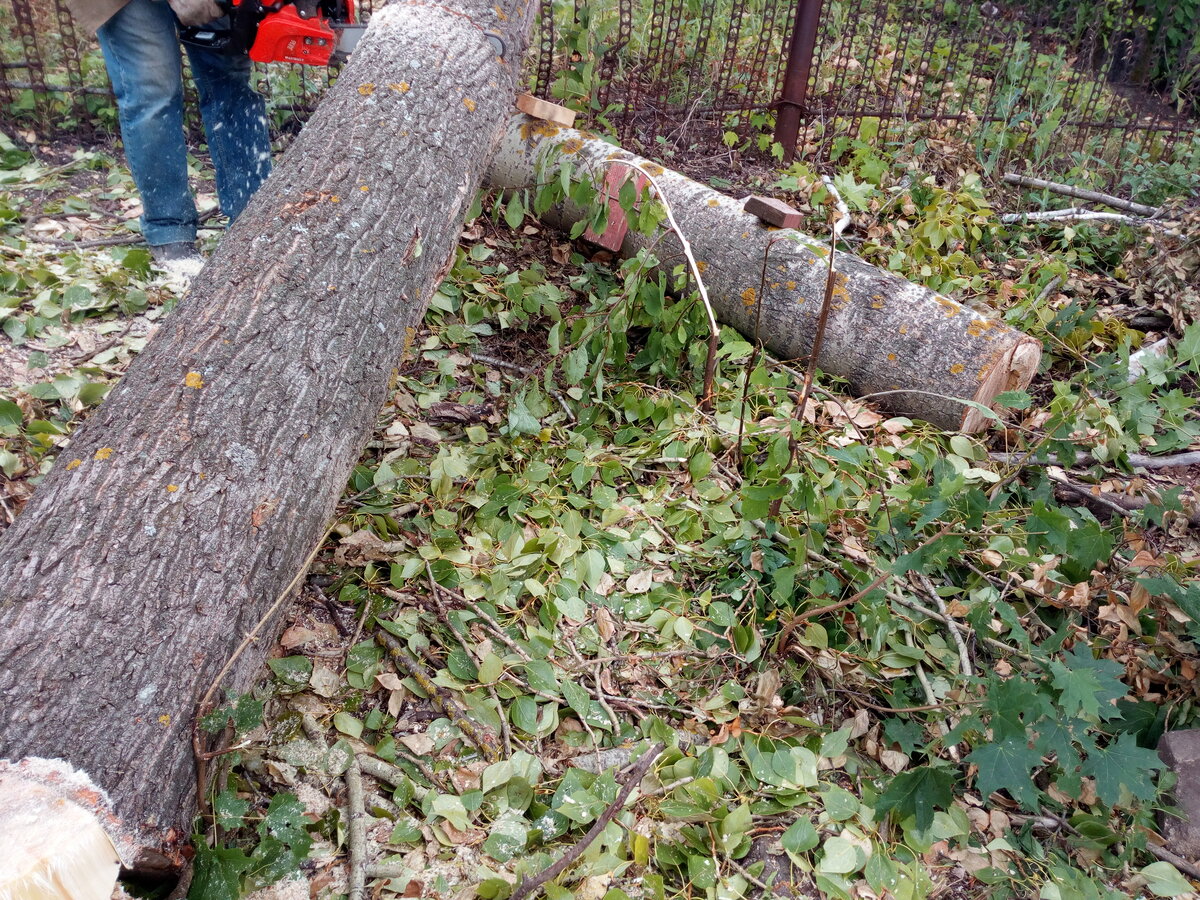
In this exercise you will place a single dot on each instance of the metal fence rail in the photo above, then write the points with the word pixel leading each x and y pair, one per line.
pixel 1023 82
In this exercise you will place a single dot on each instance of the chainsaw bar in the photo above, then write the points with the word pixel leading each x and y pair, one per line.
pixel 348 38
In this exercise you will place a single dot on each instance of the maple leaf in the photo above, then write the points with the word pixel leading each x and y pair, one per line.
pixel 1123 764
pixel 1089 686
pixel 1014 703
pixel 1008 764
pixel 919 793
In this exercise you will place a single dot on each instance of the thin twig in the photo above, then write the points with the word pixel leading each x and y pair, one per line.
pixel 396 776
pixel 492 624
pixel 964 655
pixel 943 725
pixel 482 740
pixel 710 363
pixel 612 716
pixel 356 834
pixel 757 882
pixel 1050 287
pixel 1136 460
pixel 527 887
pixel 1068 190
pixel 810 370
pixel 667 788
pixel 858 595
pixel 529 373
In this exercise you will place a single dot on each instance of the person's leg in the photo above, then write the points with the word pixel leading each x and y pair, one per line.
pixel 141 52
pixel 235 120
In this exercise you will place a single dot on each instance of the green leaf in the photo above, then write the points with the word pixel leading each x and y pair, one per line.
pixel 285 821
pixel 514 212
pixel 293 671
pixel 1123 764
pixel 703 872
pixel 451 809
pixel 218 872
pixel 10 418
pixel 407 831
pixel 1164 880
pixel 1007 764
pixel 523 713
pixel 800 837
pixel 230 809
pixel 507 837
pixel 919 793
pixel 348 724
pixel 1014 399
pixel 520 419
pixel 841 857
pixel 541 677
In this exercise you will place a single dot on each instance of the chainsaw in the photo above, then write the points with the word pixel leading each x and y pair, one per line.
pixel 309 32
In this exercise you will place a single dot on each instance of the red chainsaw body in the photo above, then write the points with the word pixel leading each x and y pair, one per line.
pixel 284 36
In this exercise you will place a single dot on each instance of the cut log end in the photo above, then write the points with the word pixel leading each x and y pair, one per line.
pixel 54 846
pixel 1013 371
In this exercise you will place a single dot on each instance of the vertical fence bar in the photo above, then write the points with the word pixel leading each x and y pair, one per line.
pixel 794 97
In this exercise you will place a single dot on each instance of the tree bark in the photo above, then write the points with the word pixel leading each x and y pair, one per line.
pixel 180 511
pixel 922 353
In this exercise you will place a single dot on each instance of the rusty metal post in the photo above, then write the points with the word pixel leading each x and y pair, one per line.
pixel 801 49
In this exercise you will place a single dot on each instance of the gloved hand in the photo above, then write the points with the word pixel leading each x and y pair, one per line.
pixel 196 12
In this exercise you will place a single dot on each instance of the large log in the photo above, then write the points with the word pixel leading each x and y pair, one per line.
pixel 884 335
pixel 190 500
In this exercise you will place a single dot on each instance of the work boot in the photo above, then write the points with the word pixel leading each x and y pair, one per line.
pixel 180 259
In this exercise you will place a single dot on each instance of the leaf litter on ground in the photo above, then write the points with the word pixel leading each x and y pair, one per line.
pixel 577 563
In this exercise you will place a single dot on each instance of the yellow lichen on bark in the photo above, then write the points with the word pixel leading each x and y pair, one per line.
pixel 104 453
pixel 193 380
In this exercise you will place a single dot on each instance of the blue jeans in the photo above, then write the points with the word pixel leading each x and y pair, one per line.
pixel 141 52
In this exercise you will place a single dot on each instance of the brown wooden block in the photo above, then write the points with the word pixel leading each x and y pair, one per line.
pixel 618 225
pixel 773 212
pixel 541 109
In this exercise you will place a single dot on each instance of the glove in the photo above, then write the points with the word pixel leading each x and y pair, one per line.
pixel 195 12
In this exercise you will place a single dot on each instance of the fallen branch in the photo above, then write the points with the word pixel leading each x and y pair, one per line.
pixel 356 834
pixel 1122 505
pixel 527 887
pixel 1187 868
pixel 1075 214
pixel 964 656
pixel 527 372
pixel 1136 460
pixel 1067 190
pixel 475 734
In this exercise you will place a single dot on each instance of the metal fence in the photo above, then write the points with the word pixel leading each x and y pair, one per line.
pixel 1025 83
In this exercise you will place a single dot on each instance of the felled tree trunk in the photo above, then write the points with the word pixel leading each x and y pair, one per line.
pixel 182 509
pixel 921 352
